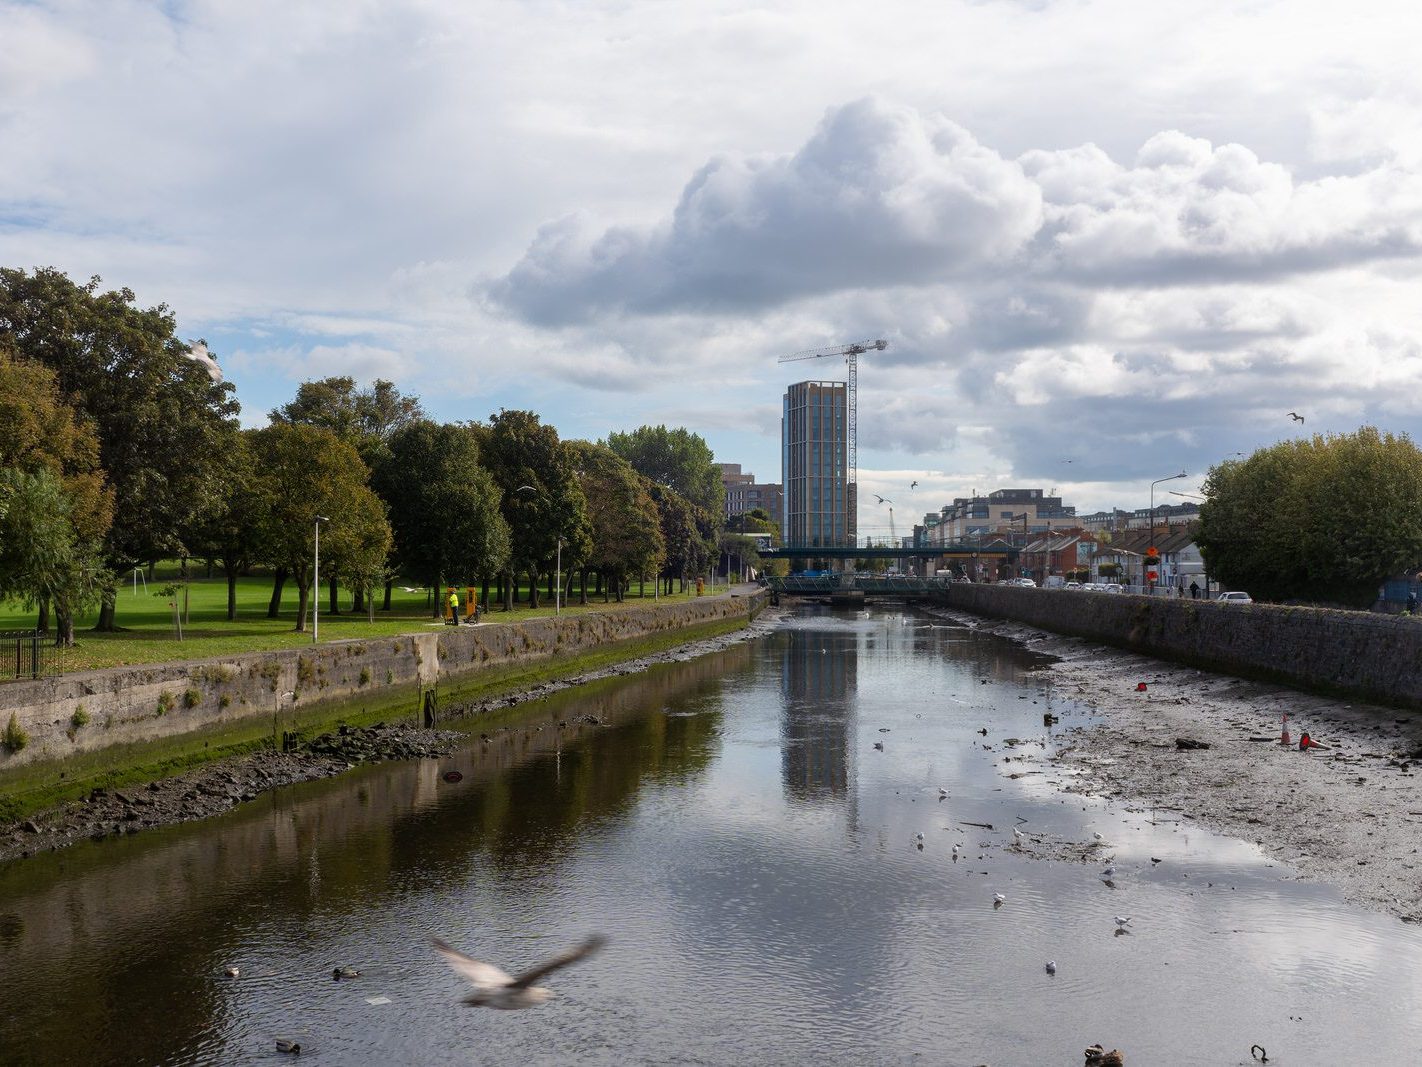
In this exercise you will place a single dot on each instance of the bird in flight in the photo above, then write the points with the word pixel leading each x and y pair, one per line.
pixel 881 499
pixel 494 988
pixel 199 354
pixel 1296 416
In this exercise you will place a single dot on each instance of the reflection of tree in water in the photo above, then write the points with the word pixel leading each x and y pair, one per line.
pixel 817 678
pixel 140 920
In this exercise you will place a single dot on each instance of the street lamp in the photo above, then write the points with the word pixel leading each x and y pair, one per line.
pixel 316 584
pixel 1167 478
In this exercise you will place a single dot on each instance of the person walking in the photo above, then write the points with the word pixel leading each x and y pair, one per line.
pixel 453 606
pixel 1412 602
pixel 1194 590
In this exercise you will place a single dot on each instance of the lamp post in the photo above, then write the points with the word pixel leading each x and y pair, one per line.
pixel 1167 478
pixel 316 584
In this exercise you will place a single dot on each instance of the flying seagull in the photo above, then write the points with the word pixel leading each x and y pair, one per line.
pixel 1296 416
pixel 199 354
pixel 882 500
pixel 495 989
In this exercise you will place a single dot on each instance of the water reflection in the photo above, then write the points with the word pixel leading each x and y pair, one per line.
pixel 817 677
pixel 752 856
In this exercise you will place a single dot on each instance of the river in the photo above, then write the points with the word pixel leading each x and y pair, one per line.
pixel 753 860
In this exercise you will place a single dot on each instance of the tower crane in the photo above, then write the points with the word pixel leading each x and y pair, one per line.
pixel 851 354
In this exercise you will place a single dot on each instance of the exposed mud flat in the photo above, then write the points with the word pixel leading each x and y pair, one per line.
pixel 1350 815
pixel 223 784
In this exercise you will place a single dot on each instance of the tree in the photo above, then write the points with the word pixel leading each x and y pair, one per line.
pixel 624 521
pixel 41 434
pixel 676 458
pixel 43 555
pixel 542 502
pixel 444 506
pixel 679 534
pixel 157 415
pixel 366 418
pixel 306 471
pixel 1324 519
pixel 233 532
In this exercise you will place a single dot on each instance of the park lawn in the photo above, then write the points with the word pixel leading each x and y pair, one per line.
pixel 148 635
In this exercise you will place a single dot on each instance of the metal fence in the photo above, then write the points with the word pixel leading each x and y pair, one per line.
pixel 27 654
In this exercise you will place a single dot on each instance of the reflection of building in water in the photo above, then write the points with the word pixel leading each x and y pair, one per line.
pixel 816 684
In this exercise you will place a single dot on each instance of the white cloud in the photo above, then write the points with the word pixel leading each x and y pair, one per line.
pixel 878 196
pixel 1118 231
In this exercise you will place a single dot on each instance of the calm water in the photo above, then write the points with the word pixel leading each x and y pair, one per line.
pixel 751 857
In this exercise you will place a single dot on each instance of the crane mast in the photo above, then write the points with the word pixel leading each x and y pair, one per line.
pixel 851 354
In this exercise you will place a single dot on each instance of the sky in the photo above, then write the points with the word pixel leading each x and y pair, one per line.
pixel 1106 241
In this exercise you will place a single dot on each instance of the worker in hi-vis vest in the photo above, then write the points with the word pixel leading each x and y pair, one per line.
pixel 453 606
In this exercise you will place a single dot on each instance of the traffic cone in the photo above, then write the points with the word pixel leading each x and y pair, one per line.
pixel 1284 738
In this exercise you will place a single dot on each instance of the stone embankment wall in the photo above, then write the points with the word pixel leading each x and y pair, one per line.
pixel 81 722
pixel 1353 653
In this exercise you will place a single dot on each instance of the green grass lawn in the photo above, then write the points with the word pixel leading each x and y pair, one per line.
pixel 148 635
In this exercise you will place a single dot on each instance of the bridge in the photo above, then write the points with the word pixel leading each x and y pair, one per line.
pixel 994 551
pixel 856 586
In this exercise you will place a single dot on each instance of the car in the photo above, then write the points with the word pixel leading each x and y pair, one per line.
pixel 1072 585
pixel 1234 598
pixel 1112 587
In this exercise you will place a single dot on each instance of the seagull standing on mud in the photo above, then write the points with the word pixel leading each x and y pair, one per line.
pixel 494 988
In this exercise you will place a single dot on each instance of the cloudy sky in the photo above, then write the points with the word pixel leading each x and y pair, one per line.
pixel 1106 241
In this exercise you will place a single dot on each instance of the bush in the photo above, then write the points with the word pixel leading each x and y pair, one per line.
pixel 192 698
pixel 15 737
pixel 365 676
pixel 80 717
pixel 165 702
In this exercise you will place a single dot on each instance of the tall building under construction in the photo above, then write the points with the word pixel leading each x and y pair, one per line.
pixel 820 502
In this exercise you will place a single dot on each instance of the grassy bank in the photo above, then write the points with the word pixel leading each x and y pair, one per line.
pixel 148 633
pixel 48 785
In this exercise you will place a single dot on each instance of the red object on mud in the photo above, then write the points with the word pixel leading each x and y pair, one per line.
pixel 1140 687
pixel 1284 738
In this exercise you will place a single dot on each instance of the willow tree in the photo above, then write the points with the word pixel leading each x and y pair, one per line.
pixel 59 506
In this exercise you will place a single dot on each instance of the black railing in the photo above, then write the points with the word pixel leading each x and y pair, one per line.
pixel 27 654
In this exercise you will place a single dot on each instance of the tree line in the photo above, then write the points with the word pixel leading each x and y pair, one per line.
pixel 117 449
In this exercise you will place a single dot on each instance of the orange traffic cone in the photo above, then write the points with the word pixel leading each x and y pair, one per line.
pixel 1284 738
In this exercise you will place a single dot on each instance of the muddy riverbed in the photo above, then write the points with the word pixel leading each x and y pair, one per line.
pixel 1349 814
pixel 223 784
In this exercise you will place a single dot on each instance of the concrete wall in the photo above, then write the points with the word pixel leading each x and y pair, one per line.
pixel 1373 657
pixel 78 720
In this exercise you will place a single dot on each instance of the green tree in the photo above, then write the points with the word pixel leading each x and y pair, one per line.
pixel 1324 519
pixel 158 416
pixel 232 532
pixel 682 538
pixel 366 418
pixel 444 506
pixel 677 458
pixel 43 556
pixel 542 502
pixel 306 471
pixel 40 433
pixel 624 521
